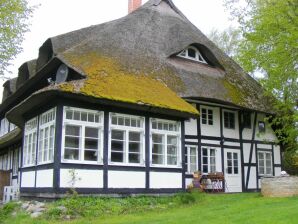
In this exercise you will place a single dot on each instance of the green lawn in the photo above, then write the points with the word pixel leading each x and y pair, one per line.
pixel 222 208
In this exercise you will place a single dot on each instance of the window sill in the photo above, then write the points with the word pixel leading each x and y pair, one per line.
pixel 126 164
pixel 28 166
pixel 165 166
pixel 45 163
pixel 81 162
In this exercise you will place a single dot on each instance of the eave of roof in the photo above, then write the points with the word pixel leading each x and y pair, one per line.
pixel 10 138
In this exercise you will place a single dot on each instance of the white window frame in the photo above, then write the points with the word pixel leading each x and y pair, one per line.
pixel 83 125
pixel 32 150
pixel 126 130
pixel 207 116
pixel 265 165
pixel 188 147
pixel 47 120
pixel 208 158
pixel 198 57
pixel 4 129
pixel 166 133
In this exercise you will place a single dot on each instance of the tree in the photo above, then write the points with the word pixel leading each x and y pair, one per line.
pixel 269 45
pixel 14 23
pixel 227 40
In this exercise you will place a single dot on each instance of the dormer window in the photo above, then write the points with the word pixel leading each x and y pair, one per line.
pixel 192 53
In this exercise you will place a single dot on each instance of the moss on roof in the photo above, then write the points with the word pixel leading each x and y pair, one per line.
pixel 107 79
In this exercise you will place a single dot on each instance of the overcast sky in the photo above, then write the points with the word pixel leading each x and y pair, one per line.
pixel 54 17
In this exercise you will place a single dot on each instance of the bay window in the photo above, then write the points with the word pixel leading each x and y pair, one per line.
pixel 83 135
pixel 46 136
pixel 30 140
pixel 265 163
pixel 165 143
pixel 126 139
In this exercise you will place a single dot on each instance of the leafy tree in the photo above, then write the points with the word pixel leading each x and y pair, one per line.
pixel 227 40
pixel 270 45
pixel 14 23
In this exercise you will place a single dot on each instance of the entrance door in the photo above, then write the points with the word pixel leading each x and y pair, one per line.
pixel 232 170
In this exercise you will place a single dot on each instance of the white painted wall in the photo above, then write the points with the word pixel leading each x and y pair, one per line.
pixel 252 184
pixel 246 152
pixel 85 178
pixel 14 182
pixel 210 142
pixel 277 159
pixel 191 127
pixel 159 180
pixel 188 181
pixel 212 130
pixel 268 135
pixel 277 171
pixel 28 179
pixel 44 178
pixel 126 179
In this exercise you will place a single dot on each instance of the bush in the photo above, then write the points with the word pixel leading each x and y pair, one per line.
pixel 6 210
pixel 290 159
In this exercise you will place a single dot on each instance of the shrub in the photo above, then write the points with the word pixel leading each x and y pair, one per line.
pixel 6 210
pixel 186 198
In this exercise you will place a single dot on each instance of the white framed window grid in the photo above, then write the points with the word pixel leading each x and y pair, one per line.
pixel 192 53
pixel 206 116
pixel 30 140
pixel 126 140
pixel 82 136
pixel 46 136
pixel 265 163
pixel 208 160
pixel 165 143
pixel 191 159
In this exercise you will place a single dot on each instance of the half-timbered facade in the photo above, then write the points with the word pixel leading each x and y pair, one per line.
pixel 134 106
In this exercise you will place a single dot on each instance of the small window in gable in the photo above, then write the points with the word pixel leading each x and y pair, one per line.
pixel 192 53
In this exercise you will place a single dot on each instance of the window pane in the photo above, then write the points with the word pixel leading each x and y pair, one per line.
pixel 157 149
pixel 261 155
pixel 261 170
pixel 91 143
pixel 71 154
pixel 172 160
pixel 193 159
pixel 117 134
pixel 72 142
pixel 157 159
pixel 191 53
pixel 205 168
pixel 229 170
pixel 135 136
pixel 117 157
pixel 229 155
pixel 212 169
pixel 205 160
pixel 84 116
pixel 91 132
pixel 134 147
pixel 268 170
pixel 212 152
pixel 157 138
pixel 90 155
pixel 72 130
pixel 205 152
pixel 76 115
pixel 69 114
pixel 235 170
pixel 90 117
pixel 117 146
pixel 134 158
pixel 193 168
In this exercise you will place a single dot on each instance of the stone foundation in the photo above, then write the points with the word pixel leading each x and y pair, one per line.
pixel 279 186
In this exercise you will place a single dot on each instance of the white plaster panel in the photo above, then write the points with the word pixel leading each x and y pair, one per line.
pixel 277 171
pixel 218 160
pixel 44 178
pixel 210 142
pixel 191 140
pixel 28 179
pixel 232 143
pixel 277 159
pixel 264 146
pixel 252 178
pixel 84 178
pixel 246 152
pixel 231 133
pixel 14 183
pixel 191 127
pixel 268 135
pixel 165 180
pixel 212 130
pixel 126 179
pixel 188 181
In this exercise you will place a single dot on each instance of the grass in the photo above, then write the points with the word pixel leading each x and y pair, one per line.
pixel 196 208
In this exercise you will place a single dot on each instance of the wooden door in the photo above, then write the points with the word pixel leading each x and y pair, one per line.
pixel 4 181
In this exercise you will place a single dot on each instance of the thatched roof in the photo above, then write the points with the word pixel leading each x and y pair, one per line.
pixel 145 43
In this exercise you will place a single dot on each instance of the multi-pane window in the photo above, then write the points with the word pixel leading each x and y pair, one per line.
pixel 15 162
pixel 247 120
pixel 126 139
pixel 4 128
pixel 46 136
pixel 207 116
pixel 192 53
pixel 229 120
pixel 232 163
pixel 82 133
pixel 265 163
pixel 165 142
pixel 191 159
pixel 30 139
pixel 208 160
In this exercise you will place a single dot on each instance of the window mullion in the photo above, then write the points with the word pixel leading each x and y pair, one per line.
pixel 166 150
pixel 126 148
pixel 82 143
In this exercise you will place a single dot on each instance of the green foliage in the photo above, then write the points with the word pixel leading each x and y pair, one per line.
pixel 14 23
pixel 227 40
pixel 186 198
pixel 6 210
pixel 291 162
pixel 269 46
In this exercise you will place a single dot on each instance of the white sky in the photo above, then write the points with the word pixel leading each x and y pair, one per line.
pixel 54 17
